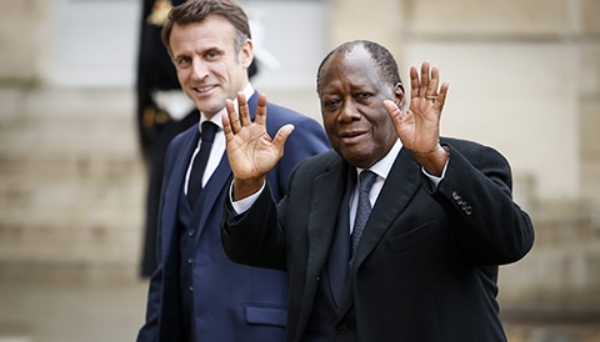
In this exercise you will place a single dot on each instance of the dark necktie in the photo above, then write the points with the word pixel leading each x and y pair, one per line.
pixel 195 184
pixel 363 210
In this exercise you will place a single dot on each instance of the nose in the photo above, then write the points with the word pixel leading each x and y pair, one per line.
pixel 349 111
pixel 199 69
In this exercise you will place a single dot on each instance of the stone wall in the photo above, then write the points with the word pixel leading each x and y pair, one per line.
pixel 71 185
pixel 525 78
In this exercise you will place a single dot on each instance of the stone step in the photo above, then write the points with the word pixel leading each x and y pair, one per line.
pixel 590 169
pixel 551 272
pixel 71 272
pixel 66 103
pixel 72 185
pixel 64 211
pixel 566 232
pixel 95 241
pixel 565 224
pixel 80 135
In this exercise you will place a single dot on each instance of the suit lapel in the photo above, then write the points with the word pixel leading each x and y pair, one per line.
pixel 400 186
pixel 323 215
pixel 174 186
pixel 209 196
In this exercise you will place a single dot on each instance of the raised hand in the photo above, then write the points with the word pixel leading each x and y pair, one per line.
pixel 419 128
pixel 251 151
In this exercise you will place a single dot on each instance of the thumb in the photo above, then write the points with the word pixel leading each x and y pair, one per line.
pixel 282 136
pixel 393 111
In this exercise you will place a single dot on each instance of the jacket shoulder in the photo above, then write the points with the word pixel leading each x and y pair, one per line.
pixel 278 116
pixel 319 163
pixel 473 151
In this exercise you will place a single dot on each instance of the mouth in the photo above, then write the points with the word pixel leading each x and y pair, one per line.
pixel 205 89
pixel 352 137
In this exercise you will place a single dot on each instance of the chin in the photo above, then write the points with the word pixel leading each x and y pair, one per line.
pixel 211 107
pixel 357 160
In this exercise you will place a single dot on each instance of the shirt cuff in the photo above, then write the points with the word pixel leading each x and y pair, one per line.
pixel 434 179
pixel 244 204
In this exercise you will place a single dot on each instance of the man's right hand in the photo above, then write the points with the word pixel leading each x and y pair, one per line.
pixel 251 151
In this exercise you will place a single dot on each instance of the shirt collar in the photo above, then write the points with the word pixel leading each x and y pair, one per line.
pixel 382 168
pixel 248 92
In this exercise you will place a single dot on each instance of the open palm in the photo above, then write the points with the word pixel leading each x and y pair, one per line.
pixel 251 151
pixel 419 127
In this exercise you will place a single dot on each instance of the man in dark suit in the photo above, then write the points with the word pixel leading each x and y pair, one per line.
pixel 197 293
pixel 163 111
pixel 395 236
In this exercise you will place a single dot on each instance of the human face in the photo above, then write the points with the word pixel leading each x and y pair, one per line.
pixel 352 93
pixel 208 68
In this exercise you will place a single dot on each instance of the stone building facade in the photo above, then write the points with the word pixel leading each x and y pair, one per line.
pixel 525 78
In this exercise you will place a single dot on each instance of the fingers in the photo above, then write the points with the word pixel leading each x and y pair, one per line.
pixel 244 110
pixel 226 124
pixel 233 120
pixel 414 82
pixel 423 91
pixel 426 82
pixel 261 110
pixel 433 82
pixel 441 98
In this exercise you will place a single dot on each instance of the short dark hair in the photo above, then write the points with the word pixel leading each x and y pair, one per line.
pixel 388 68
pixel 196 11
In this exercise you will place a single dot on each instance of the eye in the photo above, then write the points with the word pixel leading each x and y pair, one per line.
pixel 331 104
pixel 363 95
pixel 212 54
pixel 183 62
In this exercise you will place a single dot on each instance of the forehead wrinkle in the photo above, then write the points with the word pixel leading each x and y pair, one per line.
pixel 216 31
pixel 353 72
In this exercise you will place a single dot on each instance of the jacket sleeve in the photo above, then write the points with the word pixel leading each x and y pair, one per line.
pixel 254 238
pixel 307 140
pixel 476 194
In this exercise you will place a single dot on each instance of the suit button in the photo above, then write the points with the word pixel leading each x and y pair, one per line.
pixel 191 232
pixel 455 195
pixel 190 260
pixel 191 289
pixel 343 328
pixel 318 279
pixel 468 210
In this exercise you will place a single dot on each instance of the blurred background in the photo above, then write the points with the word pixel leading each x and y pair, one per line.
pixel 525 79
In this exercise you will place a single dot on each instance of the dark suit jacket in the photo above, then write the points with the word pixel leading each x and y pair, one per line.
pixel 232 302
pixel 427 264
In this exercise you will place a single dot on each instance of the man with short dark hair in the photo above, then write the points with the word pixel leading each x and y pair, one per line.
pixel 395 236
pixel 163 111
pixel 197 294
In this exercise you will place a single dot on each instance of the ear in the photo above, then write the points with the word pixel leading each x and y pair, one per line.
pixel 246 53
pixel 399 96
